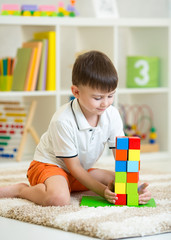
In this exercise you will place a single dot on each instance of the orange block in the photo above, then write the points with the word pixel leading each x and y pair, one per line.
pixel 121 155
pixel 132 177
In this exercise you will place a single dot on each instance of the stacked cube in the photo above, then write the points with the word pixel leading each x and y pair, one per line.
pixel 127 166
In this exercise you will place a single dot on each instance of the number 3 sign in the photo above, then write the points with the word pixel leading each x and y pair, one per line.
pixel 142 72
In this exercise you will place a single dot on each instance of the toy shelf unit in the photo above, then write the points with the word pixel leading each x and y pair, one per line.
pixel 118 38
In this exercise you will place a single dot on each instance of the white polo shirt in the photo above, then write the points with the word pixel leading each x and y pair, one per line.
pixel 69 134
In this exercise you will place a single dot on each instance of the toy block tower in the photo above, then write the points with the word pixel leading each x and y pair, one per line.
pixel 127 166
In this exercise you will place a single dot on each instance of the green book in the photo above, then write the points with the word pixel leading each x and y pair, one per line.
pixel 97 201
pixel 21 68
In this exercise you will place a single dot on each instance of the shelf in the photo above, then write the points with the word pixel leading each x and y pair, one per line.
pixel 142 90
pixel 118 38
pixel 79 21
pixel 29 93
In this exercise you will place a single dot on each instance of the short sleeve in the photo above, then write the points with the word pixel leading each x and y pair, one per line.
pixel 62 138
pixel 116 128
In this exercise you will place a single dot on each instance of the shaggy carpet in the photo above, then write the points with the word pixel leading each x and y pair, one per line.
pixel 101 222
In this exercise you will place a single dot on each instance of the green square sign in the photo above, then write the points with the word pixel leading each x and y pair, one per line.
pixel 142 72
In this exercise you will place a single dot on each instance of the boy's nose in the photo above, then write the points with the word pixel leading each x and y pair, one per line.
pixel 104 103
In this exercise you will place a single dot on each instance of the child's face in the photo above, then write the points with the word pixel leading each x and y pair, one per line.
pixel 93 102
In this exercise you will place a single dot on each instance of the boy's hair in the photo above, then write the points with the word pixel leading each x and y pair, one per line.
pixel 96 70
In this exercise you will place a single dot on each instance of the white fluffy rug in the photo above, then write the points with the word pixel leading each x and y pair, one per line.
pixel 101 222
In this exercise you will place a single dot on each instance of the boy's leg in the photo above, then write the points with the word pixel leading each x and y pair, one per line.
pixel 53 192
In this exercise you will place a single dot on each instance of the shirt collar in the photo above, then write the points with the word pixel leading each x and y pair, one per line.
pixel 80 119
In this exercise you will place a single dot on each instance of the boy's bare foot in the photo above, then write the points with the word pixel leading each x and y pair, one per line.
pixel 12 191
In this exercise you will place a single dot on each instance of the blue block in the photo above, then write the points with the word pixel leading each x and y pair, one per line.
pixel 122 143
pixel 120 166
pixel 132 166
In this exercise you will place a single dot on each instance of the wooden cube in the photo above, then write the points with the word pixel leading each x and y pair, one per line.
pixel 133 155
pixel 120 188
pixel 142 72
pixel 122 143
pixel 121 155
pixel 132 177
pixel 120 166
pixel 121 199
pixel 134 143
pixel 132 199
pixel 132 166
pixel 132 188
pixel 120 177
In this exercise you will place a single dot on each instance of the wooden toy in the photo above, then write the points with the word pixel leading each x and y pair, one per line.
pixel 48 10
pixel 15 124
pixel 126 180
pixel 134 155
pixel 121 155
pixel 120 166
pixel 29 10
pixel 122 143
pixel 130 188
pixel 10 9
pixel 142 72
pixel 41 10
pixel 138 121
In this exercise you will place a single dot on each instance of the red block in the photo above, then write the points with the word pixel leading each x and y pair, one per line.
pixel 121 155
pixel 132 177
pixel 121 199
pixel 134 143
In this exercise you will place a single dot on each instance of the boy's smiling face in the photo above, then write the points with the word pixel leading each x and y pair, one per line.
pixel 93 102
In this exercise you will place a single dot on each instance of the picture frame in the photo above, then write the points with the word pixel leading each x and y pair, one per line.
pixel 106 8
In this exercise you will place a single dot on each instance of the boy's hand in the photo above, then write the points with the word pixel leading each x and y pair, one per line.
pixel 109 195
pixel 144 194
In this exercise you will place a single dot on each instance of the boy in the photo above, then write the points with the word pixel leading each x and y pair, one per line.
pixel 75 140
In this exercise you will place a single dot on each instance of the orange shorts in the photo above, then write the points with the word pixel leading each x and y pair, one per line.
pixel 38 172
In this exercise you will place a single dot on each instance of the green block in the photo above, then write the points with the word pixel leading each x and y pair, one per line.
pixel 142 72
pixel 132 188
pixel 132 199
pixel 97 201
pixel 120 177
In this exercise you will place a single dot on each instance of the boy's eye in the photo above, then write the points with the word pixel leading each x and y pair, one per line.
pixel 97 98
pixel 110 96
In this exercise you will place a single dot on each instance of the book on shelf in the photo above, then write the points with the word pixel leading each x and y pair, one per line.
pixel 32 77
pixel 21 68
pixel 41 83
pixel 51 59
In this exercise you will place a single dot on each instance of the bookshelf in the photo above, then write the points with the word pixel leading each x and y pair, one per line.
pixel 117 38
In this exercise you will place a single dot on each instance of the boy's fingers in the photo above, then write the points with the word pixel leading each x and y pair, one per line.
pixel 111 186
pixel 142 187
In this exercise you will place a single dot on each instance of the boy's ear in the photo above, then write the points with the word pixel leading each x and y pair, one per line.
pixel 75 91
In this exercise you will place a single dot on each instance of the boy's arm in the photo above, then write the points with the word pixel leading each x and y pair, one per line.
pixel 77 171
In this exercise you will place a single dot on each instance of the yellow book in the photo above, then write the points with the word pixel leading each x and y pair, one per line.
pixel 30 73
pixel 36 63
pixel 51 62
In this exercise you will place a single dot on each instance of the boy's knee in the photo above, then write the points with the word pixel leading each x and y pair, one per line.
pixel 59 199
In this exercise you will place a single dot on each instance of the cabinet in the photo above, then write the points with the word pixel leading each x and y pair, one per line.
pixel 118 38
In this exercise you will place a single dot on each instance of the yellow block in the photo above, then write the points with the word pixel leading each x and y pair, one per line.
pixel 134 155
pixel 120 188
